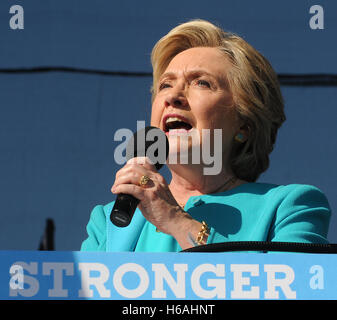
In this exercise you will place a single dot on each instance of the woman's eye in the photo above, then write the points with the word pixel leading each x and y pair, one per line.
pixel 203 83
pixel 164 85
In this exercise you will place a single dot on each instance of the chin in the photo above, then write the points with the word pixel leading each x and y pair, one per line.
pixel 184 151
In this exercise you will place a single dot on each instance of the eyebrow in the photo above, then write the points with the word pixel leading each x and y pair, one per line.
pixel 188 73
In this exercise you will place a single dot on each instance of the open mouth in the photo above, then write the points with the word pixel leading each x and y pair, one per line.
pixel 176 122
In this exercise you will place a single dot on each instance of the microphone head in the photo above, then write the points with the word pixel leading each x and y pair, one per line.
pixel 149 142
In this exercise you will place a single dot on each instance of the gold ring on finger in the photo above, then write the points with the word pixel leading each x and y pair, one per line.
pixel 144 180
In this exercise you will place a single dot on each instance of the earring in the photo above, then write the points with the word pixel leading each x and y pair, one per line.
pixel 239 138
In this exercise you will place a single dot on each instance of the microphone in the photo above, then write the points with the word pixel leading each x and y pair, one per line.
pixel 148 142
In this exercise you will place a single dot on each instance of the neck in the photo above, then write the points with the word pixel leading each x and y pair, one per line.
pixel 190 181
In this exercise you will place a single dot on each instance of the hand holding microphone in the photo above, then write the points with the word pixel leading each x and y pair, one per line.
pixel 138 182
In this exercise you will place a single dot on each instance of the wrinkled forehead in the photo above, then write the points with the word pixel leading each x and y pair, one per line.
pixel 210 59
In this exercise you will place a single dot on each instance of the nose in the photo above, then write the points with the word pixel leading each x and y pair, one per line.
pixel 176 98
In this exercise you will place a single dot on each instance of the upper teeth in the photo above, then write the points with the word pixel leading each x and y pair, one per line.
pixel 172 119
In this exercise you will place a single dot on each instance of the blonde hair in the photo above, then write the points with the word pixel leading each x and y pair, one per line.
pixel 253 82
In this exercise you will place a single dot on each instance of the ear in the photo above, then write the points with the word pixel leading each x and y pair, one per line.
pixel 243 134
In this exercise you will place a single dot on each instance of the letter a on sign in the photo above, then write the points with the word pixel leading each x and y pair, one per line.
pixel 317 20
pixel 16 21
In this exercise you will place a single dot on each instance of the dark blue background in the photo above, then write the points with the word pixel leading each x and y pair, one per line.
pixel 57 128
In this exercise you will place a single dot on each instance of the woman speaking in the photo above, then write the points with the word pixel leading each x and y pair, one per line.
pixel 208 79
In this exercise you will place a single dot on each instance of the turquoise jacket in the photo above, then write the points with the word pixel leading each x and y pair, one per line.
pixel 249 212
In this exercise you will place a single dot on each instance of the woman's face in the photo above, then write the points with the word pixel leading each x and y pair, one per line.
pixel 193 95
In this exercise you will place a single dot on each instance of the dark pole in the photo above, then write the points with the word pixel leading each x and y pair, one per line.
pixel 47 240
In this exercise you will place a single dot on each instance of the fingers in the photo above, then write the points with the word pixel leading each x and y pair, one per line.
pixel 132 172
pixel 143 161
pixel 138 163
pixel 134 190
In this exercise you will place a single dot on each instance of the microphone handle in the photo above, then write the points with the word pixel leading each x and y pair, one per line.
pixel 123 210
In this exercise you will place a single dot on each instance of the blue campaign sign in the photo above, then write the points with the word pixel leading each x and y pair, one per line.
pixel 50 275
